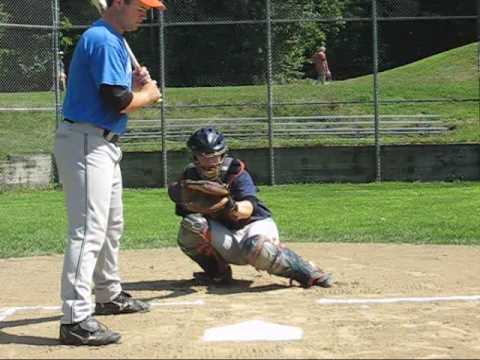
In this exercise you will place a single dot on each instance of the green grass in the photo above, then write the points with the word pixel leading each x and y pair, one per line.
pixel 34 223
pixel 446 76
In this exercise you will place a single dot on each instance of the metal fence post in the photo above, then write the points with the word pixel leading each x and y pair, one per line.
pixel 378 175
pixel 56 60
pixel 161 30
pixel 478 55
pixel 269 92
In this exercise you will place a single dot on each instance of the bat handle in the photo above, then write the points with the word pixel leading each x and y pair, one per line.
pixel 135 63
pixel 131 55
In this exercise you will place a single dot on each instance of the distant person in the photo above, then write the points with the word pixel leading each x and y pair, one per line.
pixel 62 76
pixel 320 64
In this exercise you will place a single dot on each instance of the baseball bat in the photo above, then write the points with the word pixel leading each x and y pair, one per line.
pixel 101 6
pixel 131 55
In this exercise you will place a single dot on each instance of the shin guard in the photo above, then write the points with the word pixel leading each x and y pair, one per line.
pixel 263 254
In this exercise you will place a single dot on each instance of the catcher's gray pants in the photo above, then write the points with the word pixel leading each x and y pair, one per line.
pixel 89 170
pixel 229 243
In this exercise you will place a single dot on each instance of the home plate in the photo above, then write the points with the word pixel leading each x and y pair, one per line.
pixel 253 330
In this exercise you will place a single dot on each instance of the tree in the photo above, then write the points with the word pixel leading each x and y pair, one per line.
pixel 399 42
pixel 295 42
pixel 225 53
pixel 235 54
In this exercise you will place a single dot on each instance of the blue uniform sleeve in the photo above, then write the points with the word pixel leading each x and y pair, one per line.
pixel 243 187
pixel 108 66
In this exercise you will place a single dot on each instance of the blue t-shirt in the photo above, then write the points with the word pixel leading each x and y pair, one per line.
pixel 100 57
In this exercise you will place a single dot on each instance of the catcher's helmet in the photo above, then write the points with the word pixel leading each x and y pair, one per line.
pixel 208 149
pixel 207 140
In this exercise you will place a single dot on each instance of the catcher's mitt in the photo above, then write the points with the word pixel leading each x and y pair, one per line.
pixel 202 196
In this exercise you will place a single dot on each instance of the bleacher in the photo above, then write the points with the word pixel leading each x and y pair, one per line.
pixel 289 126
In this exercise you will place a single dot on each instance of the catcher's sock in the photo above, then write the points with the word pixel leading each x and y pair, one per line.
pixel 88 332
pixel 122 304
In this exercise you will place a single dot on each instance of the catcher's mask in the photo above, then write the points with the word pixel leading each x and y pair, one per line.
pixel 208 149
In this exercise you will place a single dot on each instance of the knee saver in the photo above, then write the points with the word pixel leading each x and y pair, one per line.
pixel 193 228
pixel 260 252
pixel 195 223
pixel 263 254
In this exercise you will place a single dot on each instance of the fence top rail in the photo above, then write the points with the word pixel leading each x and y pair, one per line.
pixel 27 26
pixel 212 22
pixel 291 124
pixel 313 117
pixel 18 109
pixel 139 134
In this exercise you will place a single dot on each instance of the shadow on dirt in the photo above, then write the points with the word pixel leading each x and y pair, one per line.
pixel 184 287
pixel 238 286
pixel 175 288
pixel 27 339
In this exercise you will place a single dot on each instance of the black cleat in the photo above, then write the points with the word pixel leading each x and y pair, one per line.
pixel 122 304
pixel 325 280
pixel 88 332
pixel 223 278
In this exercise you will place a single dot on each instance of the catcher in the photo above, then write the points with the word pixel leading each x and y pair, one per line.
pixel 225 223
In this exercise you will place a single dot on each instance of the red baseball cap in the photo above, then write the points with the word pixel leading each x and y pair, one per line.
pixel 157 4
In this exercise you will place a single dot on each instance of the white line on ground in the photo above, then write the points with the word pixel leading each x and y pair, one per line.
pixel 9 311
pixel 397 300
pixel 4 313
pixel 180 303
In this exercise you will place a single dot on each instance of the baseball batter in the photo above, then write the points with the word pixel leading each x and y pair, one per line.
pixel 224 222
pixel 101 90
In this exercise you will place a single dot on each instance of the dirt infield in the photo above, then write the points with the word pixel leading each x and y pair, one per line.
pixel 183 310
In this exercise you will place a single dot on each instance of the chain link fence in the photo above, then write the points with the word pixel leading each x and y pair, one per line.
pixel 402 72
pixel 27 99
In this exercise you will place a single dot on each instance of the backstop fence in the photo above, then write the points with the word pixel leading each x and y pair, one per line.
pixel 401 72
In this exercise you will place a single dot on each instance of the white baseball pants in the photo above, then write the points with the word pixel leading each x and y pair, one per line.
pixel 229 243
pixel 89 170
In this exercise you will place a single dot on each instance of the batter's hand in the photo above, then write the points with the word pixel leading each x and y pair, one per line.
pixel 141 76
pixel 152 91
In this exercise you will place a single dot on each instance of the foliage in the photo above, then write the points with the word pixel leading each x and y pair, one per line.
pixel 446 76
pixel 67 41
pixel 237 53
pixel 226 54
pixel 295 43
pixel 400 42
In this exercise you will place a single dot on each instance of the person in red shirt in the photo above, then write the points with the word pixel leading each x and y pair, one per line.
pixel 320 63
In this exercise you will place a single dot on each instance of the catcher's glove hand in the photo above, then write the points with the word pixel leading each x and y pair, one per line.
pixel 202 196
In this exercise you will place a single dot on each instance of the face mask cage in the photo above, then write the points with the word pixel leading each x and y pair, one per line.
pixel 210 171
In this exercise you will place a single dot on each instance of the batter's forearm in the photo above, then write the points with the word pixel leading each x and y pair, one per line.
pixel 148 95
